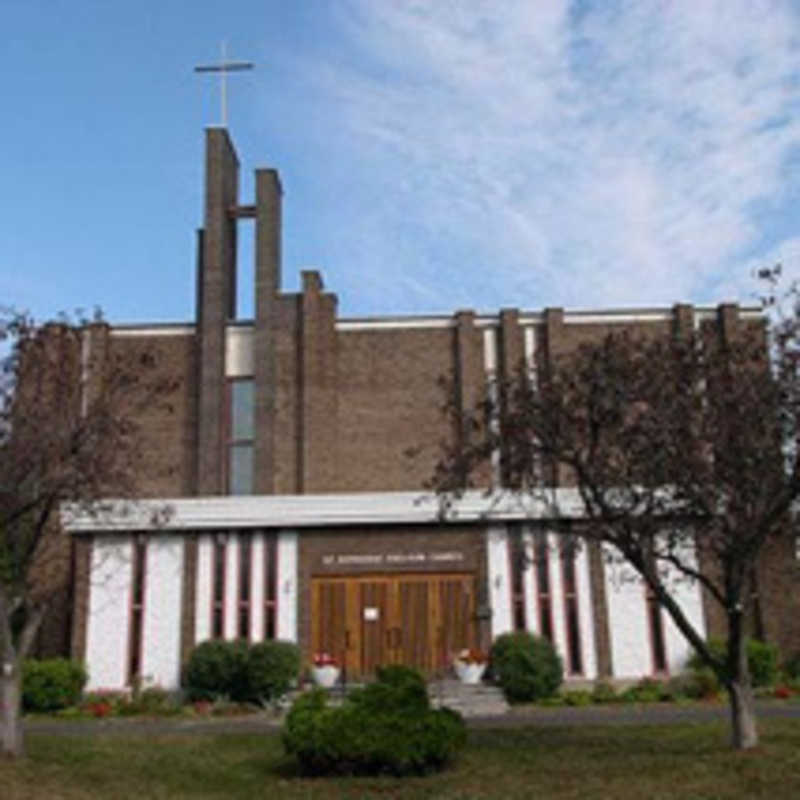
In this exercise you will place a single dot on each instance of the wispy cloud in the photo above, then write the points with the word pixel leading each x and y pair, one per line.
pixel 587 153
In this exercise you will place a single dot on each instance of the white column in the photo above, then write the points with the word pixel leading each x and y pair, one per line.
pixel 529 583
pixel 231 601
pixel 257 580
pixel 161 630
pixel 557 605
pixel 627 618
pixel 585 611
pixel 688 596
pixel 287 589
pixel 203 595
pixel 499 578
pixel 109 612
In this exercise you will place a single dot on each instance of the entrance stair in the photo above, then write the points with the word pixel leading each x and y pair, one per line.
pixel 478 700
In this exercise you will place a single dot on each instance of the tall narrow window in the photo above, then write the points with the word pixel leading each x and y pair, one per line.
pixel 218 589
pixel 245 550
pixel 518 566
pixel 569 548
pixel 240 436
pixel 541 554
pixel 658 650
pixel 137 609
pixel 270 585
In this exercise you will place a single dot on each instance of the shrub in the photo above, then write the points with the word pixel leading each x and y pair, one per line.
pixel 762 659
pixel 526 667
pixel 792 667
pixel 217 668
pixel 51 684
pixel 646 690
pixel 272 667
pixel 242 673
pixel 386 727
pixel 604 692
pixel 153 701
pixel 577 697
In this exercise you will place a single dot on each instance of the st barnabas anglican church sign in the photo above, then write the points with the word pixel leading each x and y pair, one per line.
pixel 448 558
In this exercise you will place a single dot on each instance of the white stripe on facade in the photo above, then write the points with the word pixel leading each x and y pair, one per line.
pixel 688 595
pixel 529 583
pixel 286 583
pixel 239 352
pixel 498 576
pixel 109 612
pixel 167 329
pixel 558 607
pixel 161 629
pixel 257 579
pixel 203 596
pixel 627 612
pixel 586 611
pixel 231 599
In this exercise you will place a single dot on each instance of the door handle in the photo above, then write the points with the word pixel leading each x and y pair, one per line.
pixel 347 640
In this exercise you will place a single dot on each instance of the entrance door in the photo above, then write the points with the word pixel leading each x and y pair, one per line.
pixel 416 620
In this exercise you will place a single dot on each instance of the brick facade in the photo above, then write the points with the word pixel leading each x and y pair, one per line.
pixel 347 406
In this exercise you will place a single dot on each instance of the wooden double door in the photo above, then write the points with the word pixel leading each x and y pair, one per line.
pixel 417 620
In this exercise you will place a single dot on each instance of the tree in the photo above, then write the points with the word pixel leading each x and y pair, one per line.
pixel 68 433
pixel 681 449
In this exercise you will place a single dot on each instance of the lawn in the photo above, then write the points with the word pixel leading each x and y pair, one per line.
pixel 621 761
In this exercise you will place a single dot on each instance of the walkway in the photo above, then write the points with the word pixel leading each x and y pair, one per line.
pixel 649 714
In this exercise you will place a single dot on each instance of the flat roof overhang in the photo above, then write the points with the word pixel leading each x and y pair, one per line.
pixel 316 510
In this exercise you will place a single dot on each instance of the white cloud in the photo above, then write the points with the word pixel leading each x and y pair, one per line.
pixel 547 153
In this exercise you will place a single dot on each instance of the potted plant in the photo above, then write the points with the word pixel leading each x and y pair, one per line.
pixel 324 670
pixel 470 664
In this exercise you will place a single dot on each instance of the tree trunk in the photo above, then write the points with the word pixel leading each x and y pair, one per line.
pixel 744 734
pixel 11 740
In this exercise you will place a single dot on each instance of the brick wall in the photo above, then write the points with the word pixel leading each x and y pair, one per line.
pixel 168 429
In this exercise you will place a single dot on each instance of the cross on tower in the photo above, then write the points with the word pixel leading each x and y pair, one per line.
pixel 224 67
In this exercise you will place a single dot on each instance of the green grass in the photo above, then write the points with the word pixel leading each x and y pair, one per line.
pixel 656 762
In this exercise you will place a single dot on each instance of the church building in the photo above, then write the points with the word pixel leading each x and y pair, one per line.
pixel 292 470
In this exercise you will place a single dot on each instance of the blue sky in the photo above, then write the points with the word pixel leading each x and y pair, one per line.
pixel 434 155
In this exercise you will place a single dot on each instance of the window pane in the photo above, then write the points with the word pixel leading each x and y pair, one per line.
pixel 242 409
pixel 240 469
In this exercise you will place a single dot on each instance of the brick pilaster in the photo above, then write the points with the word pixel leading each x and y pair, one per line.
pixel 318 386
pixel 268 277
pixel 217 297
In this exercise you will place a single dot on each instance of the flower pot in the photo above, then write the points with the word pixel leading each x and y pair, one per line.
pixel 469 673
pixel 325 676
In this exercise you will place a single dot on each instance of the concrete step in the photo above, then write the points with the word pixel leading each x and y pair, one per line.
pixel 477 700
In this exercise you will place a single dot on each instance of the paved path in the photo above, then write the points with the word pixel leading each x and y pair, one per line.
pixel 650 714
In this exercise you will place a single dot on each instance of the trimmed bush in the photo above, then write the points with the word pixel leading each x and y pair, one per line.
pixel 272 668
pixel 762 659
pixel 386 727
pixel 239 672
pixel 526 667
pixel 51 684
pixel 216 668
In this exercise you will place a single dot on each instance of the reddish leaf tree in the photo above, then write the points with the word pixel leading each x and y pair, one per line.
pixel 68 432
pixel 682 451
